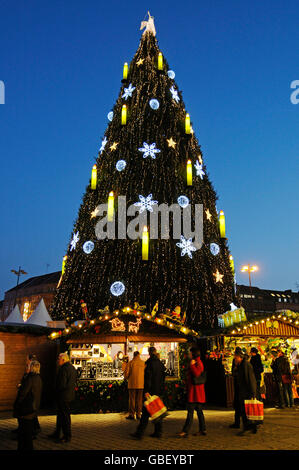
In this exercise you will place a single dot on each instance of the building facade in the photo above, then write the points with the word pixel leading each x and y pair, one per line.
pixel 29 293
pixel 258 301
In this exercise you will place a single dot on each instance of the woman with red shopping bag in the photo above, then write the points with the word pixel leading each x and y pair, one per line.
pixel 245 389
pixel 196 394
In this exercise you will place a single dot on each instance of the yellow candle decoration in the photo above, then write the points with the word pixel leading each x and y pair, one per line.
pixel 222 224
pixel 63 265
pixel 232 264
pixel 187 124
pixel 145 244
pixel 125 72
pixel 189 173
pixel 93 183
pixel 160 61
pixel 124 115
pixel 110 211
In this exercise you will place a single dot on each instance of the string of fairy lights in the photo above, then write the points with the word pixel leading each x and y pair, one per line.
pixel 108 316
pixel 268 322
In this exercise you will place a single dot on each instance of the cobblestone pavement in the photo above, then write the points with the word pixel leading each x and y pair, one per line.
pixel 280 431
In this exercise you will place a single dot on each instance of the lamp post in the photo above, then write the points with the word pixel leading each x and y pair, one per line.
pixel 250 269
pixel 18 274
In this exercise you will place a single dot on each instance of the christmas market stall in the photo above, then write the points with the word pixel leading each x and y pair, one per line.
pixel 100 349
pixel 266 334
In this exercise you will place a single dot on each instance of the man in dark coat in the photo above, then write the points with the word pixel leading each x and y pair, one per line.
pixel 258 369
pixel 154 379
pixel 245 388
pixel 65 394
pixel 27 405
pixel 236 404
pixel 283 378
pixel 277 376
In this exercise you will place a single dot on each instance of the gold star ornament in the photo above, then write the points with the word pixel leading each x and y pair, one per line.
pixel 113 146
pixel 171 142
pixel 95 213
pixel 208 214
pixel 218 276
pixel 140 62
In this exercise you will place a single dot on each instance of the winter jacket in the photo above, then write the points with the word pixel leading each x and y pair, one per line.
pixel 246 381
pixel 66 382
pixel 281 369
pixel 195 393
pixel 257 365
pixel 154 376
pixel 134 373
pixel 28 398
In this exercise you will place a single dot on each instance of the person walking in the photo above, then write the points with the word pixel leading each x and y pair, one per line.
pixel 154 379
pixel 277 376
pixel 36 425
pixel 258 369
pixel 134 373
pixel 245 389
pixel 236 402
pixel 65 394
pixel 286 378
pixel 27 404
pixel 195 395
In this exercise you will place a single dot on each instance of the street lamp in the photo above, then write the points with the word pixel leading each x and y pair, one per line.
pixel 18 274
pixel 249 269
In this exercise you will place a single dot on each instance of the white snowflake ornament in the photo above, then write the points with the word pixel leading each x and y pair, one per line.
pixel 128 91
pixel 186 246
pixel 145 203
pixel 74 241
pixel 149 150
pixel 175 95
pixel 104 142
pixel 199 170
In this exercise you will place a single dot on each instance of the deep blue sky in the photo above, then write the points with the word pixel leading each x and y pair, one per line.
pixel 61 62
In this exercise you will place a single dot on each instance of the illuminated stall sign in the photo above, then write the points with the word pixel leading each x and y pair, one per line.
pixel 230 318
pixel 131 327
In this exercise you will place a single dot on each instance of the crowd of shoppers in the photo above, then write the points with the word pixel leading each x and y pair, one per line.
pixel 145 380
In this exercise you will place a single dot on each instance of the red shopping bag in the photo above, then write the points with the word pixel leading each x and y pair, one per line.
pixel 254 409
pixel 155 407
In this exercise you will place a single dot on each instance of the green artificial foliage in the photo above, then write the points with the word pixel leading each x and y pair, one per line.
pixel 167 277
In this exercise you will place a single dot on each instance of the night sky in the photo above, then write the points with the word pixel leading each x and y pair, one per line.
pixel 61 63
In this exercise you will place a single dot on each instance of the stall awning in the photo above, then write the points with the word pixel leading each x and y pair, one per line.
pixel 267 327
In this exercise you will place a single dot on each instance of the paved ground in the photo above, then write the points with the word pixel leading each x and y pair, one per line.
pixel 111 432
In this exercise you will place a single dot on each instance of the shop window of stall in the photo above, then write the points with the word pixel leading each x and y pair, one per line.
pixel 108 361
pixel 98 361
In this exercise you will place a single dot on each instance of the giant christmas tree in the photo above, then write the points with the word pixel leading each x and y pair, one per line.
pixel 147 155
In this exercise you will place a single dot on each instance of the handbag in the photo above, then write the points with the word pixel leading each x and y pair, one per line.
pixel 156 408
pixel 200 379
pixel 286 379
pixel 254 409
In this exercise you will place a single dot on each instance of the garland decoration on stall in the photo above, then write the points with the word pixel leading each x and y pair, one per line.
pixel 172 320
